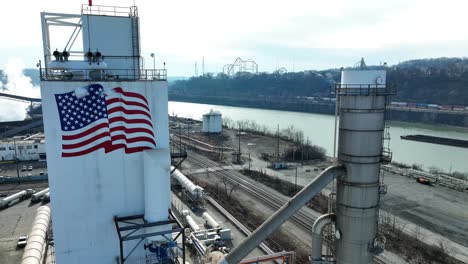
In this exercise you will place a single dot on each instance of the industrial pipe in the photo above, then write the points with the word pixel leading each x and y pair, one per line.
pixel 317 236
pixel 37 196
pixel 195 190
pixel 210 220
pixel 19 195
pixel 193 225
pixel 283 214
pixel 35 246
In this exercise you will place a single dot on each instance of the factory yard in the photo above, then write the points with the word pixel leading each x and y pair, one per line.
pixel 16 220
pixel 293 235
pixel 434 214
pixel 237 236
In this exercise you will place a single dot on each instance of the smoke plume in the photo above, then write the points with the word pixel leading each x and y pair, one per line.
pixel 15 82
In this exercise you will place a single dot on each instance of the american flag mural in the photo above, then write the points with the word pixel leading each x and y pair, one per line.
pixel 95 118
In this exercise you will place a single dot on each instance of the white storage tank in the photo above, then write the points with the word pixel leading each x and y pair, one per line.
pixel 212 122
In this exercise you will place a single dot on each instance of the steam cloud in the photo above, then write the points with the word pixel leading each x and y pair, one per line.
pixel 15 82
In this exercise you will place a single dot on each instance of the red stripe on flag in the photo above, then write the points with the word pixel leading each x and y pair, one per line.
pixel 120 100
pixel 127 150
pixel 104 145
pixel 133 140
pixel 85 133
pixel 85 142
pixel 127 111
pixel 130 94
pixel 131 130
pixel 129 121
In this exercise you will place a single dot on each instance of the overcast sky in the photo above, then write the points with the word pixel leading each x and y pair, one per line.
pixel 297 35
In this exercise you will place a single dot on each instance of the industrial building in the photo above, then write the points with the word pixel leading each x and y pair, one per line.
pixel 23 148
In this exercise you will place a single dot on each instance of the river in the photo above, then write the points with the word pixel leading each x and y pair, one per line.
pixel 319 130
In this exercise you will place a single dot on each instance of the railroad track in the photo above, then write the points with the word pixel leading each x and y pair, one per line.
pixel 273 201
pixel 301 218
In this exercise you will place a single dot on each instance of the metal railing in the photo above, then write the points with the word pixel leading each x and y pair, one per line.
pixel 102 10
pixel 363 89
pixel 51 74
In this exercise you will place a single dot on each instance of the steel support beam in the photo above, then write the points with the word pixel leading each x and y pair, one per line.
pixel 283 214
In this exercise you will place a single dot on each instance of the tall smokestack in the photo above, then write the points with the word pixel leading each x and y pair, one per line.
pixel 362 95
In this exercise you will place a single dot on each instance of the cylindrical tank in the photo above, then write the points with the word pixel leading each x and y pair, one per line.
pixel 210 220
pixel 193 225
pixel 361 127
pixel 46 197
pixel 33 252
pixel 185 212
pixel 8 199
pixel 212 122
pixel 195 190
pixel 37 196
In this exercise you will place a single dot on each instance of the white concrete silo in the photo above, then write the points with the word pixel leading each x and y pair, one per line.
pixel 106 126
pixel 212 122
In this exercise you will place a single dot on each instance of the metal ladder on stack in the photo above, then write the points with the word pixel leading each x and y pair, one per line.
pixel 136 43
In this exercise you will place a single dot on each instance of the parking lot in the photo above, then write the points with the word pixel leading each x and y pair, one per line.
pixel 23 168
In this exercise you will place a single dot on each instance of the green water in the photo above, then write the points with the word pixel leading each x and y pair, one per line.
pixel 319 130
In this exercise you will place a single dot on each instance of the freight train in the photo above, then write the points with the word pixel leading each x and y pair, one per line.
pixel 459 108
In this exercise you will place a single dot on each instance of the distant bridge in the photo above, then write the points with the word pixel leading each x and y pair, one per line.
pixel 20 98
pixel 34 124
pixel 17 130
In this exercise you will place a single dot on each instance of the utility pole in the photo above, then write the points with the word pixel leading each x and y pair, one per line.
pixel 295 182
pixel 154 62
pixel 250 171
pixel 277 145
pixel 180 137
pixel 16 161
pixel 203 66
pixel 239 152
pixel 196 70
pixel 302 150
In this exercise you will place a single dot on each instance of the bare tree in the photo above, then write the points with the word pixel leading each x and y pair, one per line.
pixel 228 188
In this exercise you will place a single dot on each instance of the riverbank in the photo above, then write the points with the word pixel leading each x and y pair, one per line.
pixel 458 119
pixel 319 129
